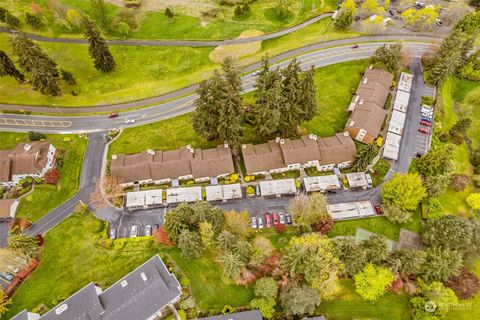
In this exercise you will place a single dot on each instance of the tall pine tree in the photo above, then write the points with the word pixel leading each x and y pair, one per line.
pixel 308 101
pixel 98 48
pixel 219 110
pixel 291 109
pixel 268 100
pixel 7 68
pixel 42 68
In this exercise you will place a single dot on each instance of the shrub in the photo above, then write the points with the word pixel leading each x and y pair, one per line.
pixel 227 310
pixel 457 139
pixel 465 284
pixel 168 13
pixel 52 176
pixel 477 170
pixel 188 303
pixel 476 180
pixel 428 100
pixel 280 228
pixel 458 181
pixel 185 282
pixel 32 20
pixel 324 227
pixel 35 136
pixel 250 190
pixel 11 20
pixel 444 137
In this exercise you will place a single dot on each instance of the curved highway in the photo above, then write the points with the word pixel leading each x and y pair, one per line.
pixel 182 43
pixel 96 123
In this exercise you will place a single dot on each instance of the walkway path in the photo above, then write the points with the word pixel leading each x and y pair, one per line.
pixel 182 43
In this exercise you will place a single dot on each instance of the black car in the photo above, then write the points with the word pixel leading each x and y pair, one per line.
pixel 391 12
pixel 288 217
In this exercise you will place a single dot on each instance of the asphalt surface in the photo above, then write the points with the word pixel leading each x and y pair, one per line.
pixel 181 43
pixel 76 124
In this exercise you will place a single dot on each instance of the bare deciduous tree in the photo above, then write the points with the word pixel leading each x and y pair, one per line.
pixel 108 191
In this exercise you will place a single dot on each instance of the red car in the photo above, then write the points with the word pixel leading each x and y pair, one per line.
pixel 378 209
pixel 113 115
pixel 426 123
pixel 275 219
pixel 355 46
pixel 268 220
pixel 424 130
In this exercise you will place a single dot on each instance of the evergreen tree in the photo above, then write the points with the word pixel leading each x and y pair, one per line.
pixel 44 81
pixel 388 57
pixel 189 244
pixel 291 109
pixel 7 68
pixel 168 13
pixel 308 101
pixel 30 55
pixel 219 110
pixel 98 48
pixel 344 19
pixel 268 99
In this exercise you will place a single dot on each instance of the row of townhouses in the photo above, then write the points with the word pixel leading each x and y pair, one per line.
pixel 367 113
pixel 31 159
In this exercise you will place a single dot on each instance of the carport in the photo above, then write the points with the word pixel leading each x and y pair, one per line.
pixel 321 183
pixel 224 192
pixel 350 210
pixel 277 188
pixel 187 194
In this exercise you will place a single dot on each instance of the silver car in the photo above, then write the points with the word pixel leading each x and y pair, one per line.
pixel 260 223
pixel 113 233
pixel 254 223
pixel 134 232
pixel 281 217
pixel 148 230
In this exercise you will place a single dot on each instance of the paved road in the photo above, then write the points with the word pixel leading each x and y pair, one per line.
pixel 182 43
pixel 69 124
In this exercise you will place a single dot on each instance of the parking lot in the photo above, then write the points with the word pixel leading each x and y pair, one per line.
pixel 423 140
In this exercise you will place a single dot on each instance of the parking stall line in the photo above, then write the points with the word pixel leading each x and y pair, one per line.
pixel 35 123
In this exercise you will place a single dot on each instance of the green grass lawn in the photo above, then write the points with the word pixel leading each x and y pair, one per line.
pixel 454 89
pixel 142 72
pixel 349 305
pixel 380 170
pixel 47 197
pixel 186 24
pixel 380 225
pixel 80 262
pixel 177 132
pixel 335 85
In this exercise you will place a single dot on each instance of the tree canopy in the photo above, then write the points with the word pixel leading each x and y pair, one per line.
pixel 404 191
pixel 372 282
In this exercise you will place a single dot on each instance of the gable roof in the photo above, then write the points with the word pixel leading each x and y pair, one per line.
pixel 368 117
pixel 26 158
pixel 141 293
pixel 277 154
pixel 159 165
pixel 83 305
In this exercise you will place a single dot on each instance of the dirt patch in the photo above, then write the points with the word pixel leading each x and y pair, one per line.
pixel 237 51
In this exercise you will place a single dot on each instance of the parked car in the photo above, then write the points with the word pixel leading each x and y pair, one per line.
pixel 281 217
pixel 428 119
pixel 288 217
pixel 113 233
pixel 439 22
pixel 7 276
pixel 148 230
pixel 387 21
pixel 428 114
pixel 369 180
pixel 260 223
pixel 254 223
pixel 134 232
pixel 275 219
pixel 257 190
pixel 419 5
pixel 424 130
pixel 128 121
pixel 355 46
pixel 391 12
pixel 113 115
pixel 378 209
pixel 426 123
pixel 268 220
pixel 256 73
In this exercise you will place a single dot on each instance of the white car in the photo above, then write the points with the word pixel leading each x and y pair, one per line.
pixel 134 232
pixel 386 21
pixel 128 121
pixel 369 180
pixel 254 223
pixel 260 223
pixel 281 217
pixel 148 230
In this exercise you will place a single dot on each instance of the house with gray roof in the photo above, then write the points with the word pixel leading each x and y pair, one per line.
pixel 143 294
pixel 246 315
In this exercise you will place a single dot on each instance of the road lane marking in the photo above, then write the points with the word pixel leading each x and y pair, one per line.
pixel 35 123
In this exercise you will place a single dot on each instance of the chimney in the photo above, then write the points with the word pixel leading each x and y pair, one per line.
pixel 282 141
pixel 346 134
pixel 114 157
pixel 312 136
pixel 225 144
pixel 244 146
pixel 277 140
pixel 150 151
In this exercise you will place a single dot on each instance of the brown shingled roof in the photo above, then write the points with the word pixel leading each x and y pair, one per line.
pixel 368 117
pixel 173 164
pixel 26 158
pixel 5 206
pixel 269 156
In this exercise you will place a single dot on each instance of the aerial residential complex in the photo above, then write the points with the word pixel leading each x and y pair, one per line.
pixel 31 159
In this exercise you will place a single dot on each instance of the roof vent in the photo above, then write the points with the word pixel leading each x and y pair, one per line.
pixel 225 145
pixel 124 283
pixel 114 157
pixel 365 80
pixel 356 98
pixel 27 147
pixel 144 276
pixel 277 140
pixel 346 134
pixel 351 123
pixel 282 141
pixel 312 136
pixel 244 146
pixel 150 151
pixel 61 309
